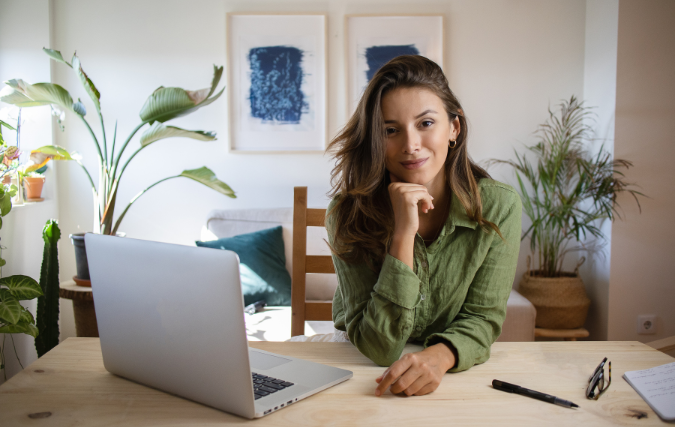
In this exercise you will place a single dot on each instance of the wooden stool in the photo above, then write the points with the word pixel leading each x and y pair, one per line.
pixel 566 334
pixel 83 308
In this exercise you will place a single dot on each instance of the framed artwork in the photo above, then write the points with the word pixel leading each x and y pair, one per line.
pixel 374 40
pixel 277 82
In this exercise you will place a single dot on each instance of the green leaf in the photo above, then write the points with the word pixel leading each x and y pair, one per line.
pixel 56 152
pixel 20 328
pixel 89 87
pixel 27 316
pixel 23 94
pixel 5 204
pixel 21 287
pixel 7 125
pixel 2 261
pixel 56 55
pixel 10 309
pixel 160 131
pixel 167 103
pixel 41 156
pixel 205 176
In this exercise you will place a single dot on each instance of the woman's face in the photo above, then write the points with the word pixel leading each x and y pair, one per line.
pixel 418 132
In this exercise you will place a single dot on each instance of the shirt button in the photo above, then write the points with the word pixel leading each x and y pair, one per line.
pixel 423 297
pixel 418 328
pixel 424 264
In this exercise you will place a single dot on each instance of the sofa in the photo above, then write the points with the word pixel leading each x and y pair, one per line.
pixel 274 324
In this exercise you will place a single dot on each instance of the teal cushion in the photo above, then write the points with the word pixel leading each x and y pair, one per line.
pixel 262 265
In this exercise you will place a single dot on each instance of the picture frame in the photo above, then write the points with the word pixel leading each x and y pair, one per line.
pixel 372 40
pixel 277 74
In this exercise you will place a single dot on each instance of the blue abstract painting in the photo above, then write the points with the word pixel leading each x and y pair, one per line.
pixel 276 84
pixel 377 56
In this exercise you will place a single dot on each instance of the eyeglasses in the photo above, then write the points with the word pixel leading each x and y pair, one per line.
pixel 598 380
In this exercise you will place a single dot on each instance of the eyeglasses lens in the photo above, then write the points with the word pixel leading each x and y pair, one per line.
pixel 598 380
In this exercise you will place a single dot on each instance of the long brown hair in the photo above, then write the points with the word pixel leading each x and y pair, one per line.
pixel 363 216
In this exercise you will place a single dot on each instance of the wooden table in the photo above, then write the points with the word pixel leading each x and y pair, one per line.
pixel 69 386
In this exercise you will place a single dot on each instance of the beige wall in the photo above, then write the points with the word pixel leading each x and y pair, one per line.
pixel 643 257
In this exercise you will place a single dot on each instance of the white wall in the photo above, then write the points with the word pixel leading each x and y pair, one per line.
pixel 602 20
pixel 507 61
pixel 642 271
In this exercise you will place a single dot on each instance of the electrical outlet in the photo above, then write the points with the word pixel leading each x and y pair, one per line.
pixel 646 324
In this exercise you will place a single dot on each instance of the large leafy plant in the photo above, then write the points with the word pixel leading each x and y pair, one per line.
pixel 567 191
pixel 164 104
pixel 14 318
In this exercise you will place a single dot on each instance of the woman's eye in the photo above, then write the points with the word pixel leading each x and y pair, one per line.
pixel 390 131
pixel 427 123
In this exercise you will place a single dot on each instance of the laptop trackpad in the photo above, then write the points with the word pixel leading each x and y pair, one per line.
pixel 265 361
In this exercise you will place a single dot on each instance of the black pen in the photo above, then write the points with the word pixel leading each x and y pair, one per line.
pixel 512 388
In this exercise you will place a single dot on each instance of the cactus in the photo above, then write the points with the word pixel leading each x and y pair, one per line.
pixel 48 304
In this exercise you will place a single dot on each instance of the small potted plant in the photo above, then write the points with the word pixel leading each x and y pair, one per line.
pixel 566 193
pixel 33 183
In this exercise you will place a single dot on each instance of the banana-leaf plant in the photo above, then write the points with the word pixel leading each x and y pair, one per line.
pixel 164 104
pixel 567 191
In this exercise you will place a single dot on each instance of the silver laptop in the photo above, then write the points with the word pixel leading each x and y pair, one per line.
pixel 172 317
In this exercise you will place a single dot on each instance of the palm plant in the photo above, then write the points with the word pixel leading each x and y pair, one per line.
pixel 567 191
pixel 163 105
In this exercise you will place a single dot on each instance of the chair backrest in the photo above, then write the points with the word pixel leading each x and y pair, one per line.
pixel 302 309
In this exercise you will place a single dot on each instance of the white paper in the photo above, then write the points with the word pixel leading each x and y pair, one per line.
pixel 657 387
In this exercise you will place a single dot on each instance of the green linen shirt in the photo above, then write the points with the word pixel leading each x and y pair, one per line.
pixel 457 292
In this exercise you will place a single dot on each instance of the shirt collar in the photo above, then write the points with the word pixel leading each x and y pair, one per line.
pixel 457 217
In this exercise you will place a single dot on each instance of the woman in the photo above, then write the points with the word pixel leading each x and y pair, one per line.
pixel 424 243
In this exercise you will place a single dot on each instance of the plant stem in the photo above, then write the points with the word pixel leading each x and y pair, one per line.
pixel 91 181
pixel 119 220
pixel 93 135
pixel 112 152
pixel 15 352
pixel 124 147
pixel 18 131
pixel 105 142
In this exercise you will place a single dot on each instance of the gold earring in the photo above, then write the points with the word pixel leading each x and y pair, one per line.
pixel 452 144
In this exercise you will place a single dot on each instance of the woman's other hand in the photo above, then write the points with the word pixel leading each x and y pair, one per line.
pixel 417 373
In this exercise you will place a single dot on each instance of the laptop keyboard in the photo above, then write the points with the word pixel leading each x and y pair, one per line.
pixel 264 386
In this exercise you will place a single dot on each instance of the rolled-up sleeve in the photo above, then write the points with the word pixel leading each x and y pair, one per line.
pixel 479 321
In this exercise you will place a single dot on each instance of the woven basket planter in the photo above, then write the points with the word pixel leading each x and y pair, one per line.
pixel 561 302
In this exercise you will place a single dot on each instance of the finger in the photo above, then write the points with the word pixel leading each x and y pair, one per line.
pixel 410 377
pixel 378 379
pixel 393 373
pixel 417 385
pixel 429 388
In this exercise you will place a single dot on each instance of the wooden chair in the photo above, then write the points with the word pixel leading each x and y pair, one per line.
pixel 301 309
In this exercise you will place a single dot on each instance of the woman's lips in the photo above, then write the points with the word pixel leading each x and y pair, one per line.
pixel 415 165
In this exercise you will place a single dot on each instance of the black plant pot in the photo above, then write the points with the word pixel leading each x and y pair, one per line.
pixel 81 262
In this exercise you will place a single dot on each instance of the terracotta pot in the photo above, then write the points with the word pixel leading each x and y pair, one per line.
pixel 561 302
pixel 33 187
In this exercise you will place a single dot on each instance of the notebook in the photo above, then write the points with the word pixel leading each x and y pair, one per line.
pixel 172 317
pixel 657 387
